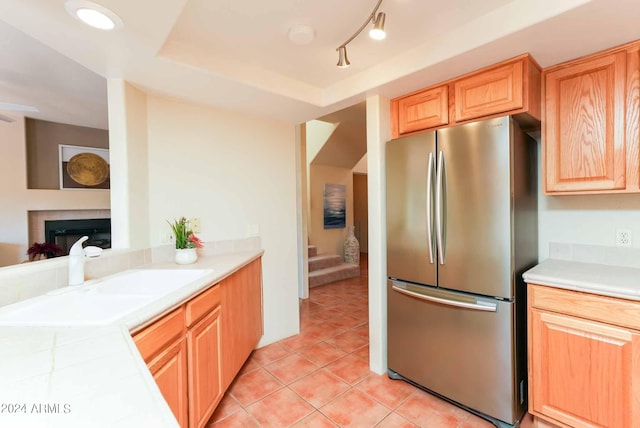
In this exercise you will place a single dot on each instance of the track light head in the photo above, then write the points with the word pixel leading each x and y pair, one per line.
pixel 377 32
pixel 343 61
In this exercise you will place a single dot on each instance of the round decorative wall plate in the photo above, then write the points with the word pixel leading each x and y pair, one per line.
pixel 88 169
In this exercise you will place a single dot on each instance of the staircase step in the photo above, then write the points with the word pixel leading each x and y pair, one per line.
pixel 312 250
pixel 333 273
pixel 323 261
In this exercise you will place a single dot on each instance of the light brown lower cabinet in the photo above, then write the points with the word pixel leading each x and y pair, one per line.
pixel 192 356
pixel 241 318
pixel 170 373
pixel 584 359
pixel 205 372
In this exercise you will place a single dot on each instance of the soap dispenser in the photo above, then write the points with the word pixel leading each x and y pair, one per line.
pixel 76 262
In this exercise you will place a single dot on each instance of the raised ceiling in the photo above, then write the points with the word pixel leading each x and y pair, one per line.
pixel 236 54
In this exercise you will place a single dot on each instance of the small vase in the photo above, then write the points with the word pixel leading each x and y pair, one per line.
pixel 351 248
pixel 186 256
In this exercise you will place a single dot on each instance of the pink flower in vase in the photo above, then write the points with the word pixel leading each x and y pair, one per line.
pixel 195 240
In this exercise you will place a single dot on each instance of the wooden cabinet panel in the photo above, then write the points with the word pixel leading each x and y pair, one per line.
pixel 510 87
pixel 202 304
pixel 584 373
pixel 242 318
pixel 154 338
pixel 205 377
pixel 426 109
pixel 585 125
pixel 169 370
pixel 609 310
pixel 492 91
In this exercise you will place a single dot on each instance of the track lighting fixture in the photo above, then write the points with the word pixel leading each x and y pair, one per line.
pixel 377 33
pixel 343 61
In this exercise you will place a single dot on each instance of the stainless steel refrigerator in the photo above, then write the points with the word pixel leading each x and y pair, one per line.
pixel 461 230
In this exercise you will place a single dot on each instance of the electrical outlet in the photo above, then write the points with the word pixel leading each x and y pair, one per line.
pixel 166 238
pixel 194 224
pixel 623 238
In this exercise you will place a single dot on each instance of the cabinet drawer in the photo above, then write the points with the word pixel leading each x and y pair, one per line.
pixel 158 335
pixel 624 313
pixel 201 305
pixel 426 109
pixel 489 92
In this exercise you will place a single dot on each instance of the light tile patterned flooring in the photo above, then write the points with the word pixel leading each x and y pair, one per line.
pixel 320 378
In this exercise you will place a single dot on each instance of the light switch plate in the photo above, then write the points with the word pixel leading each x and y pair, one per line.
pixel 194 224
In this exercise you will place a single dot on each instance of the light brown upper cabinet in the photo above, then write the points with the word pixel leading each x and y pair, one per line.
pixel 426 109
pixel 492 91
pixel 510 87
pixel 590 126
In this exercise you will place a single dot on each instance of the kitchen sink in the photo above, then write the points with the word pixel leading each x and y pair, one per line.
pixel 155 282
pixel 99 302
pixel 72 309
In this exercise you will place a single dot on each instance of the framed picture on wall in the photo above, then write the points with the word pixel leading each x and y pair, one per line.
pixel 84 167
pixel 334 206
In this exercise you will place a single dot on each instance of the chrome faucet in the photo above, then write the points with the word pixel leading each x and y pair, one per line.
pixel 76 262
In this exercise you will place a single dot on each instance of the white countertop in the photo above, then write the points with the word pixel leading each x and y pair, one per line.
pixel 606 280
pixel 94 376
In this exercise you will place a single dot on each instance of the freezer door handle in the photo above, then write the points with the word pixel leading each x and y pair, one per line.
pixel 424 295
pixel 440 206
pixel 429 206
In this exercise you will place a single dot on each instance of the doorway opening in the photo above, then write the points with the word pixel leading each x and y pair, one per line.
pixel 334 174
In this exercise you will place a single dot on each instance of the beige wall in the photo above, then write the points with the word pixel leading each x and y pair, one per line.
pixel 43 139
pixel 328 241
pixel 16 200
pixel 232 171
pixel 129 173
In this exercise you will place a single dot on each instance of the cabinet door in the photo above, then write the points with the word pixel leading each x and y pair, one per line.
pixel 205 387
pixel 489 92
pixel 169 370
pixel 242 312
pixel 583 373
pixel 584 137
pixel 426 109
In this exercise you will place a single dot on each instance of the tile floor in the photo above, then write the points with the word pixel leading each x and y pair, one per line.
pixel 321 378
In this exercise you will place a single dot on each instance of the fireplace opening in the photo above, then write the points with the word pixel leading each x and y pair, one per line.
pixel 65 232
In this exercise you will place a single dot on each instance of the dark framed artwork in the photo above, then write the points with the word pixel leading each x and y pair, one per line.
pixel 84 167
pixel 334 206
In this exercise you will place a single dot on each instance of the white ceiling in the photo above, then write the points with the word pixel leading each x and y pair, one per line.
pixel 235 54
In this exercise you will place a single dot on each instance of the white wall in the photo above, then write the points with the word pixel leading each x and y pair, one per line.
pixel 587 219
pixel 16 200
pixel 328 241
pixel 231 170
pixel 378 133
pixel 129 174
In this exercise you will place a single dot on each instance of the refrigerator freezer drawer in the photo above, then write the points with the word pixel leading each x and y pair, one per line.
pixel 457 345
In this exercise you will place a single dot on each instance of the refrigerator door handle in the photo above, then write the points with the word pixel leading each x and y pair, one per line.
pixel 478 305
pixel 429 206
pixel 439 208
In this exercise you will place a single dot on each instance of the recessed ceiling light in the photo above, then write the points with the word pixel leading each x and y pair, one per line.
pixel 93 14
pixel 301 34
